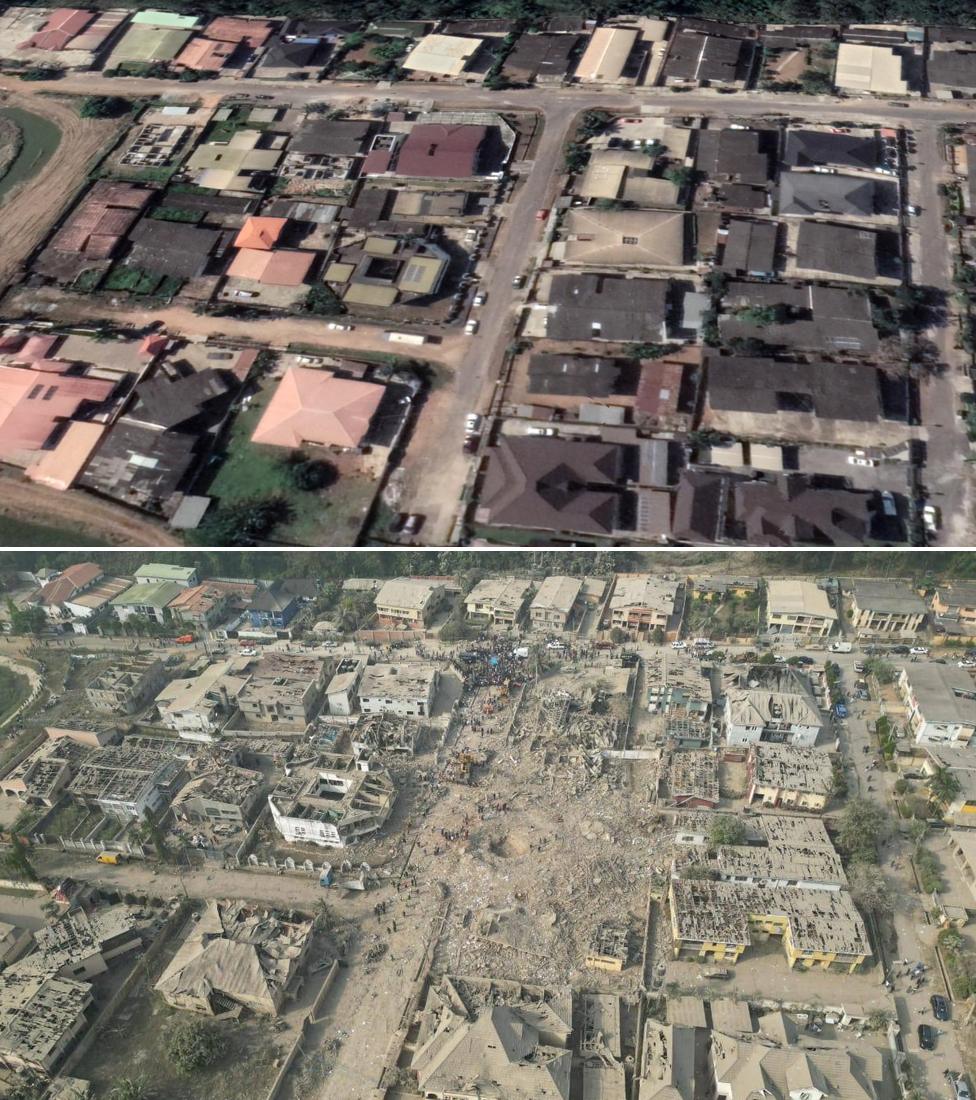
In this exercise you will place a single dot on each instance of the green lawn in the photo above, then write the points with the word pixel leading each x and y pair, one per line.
pixel 16 532
pixel 330 518
pixel 14 689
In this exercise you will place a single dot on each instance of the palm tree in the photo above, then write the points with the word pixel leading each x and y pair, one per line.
pixel 943 787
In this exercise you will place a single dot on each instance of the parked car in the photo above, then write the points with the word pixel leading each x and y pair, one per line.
pixel 542 214
pixel 472 422
pixel 541 431
pixel 413 524
pixel 900 650
pixel 518 282
pixel 960 1086
pixel 926 1037
pixel 840 710
pixel 919 650
pixel 471 327
pixel 479 298
pixel 940 1006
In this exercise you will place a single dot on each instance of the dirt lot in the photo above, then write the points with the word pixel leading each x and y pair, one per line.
pixel 27 214
pixel 104 521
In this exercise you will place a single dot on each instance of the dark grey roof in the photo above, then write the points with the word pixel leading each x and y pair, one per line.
pixel 823 193
pixel 956 68
pixel 209 203
pixel 838 249
pixel 171 248
pixel 715 26
pixel 743 196
pixel 143 467
pixel 790 510
pixel 284 55
pixel 740 155
pixel 572 374
pixel 540 56
pixel 750 247
pixel 624 309
pixel 765 387
pixel 322 27
pixel 796 35
pixel 191 400
pixel 701 506
pixel 272 599
pixel 823 318
pixel 809 148
pixel 552 484
pixel 705 58
pixel 952 34
pixel 334 137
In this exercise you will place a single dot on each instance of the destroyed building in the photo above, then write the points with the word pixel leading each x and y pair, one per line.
pixel 237 956
pixel 406 690
pixel 341 690
pixel 771 704
pixel 789 776
pixel 128 686
pixel 693 779
pixel 507 1040
pixel 224 796
pixel 680 692
pixel 332 801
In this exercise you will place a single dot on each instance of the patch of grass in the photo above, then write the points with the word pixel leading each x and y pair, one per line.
pixel 175 214
pixel 14 689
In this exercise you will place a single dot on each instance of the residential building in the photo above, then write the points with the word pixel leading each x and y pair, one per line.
pixel 850 151
pixel 693 779
pixel 85 605
pixel 498 600
pixel 886 607
pixel 127 687
pixel 333 801
pixel 556 603
pixel 605 58
pixel 790 777
pixel 961 762
pixel 204 605
pixel 606 307
pixel 828 250
pixel 957 602
pixel 409 602
pixel 199 706
pixel 749 247
pixel 407 690
pixel 540 58
pixel 857 196
pixel 242 163
pixel 876 69
pixel 798 607
pixel 475 1033
pixel 941 702
pixel 708 60
pixel 273 607
pixel 783 1053
pixel 185 576
pixel 962 847
pixel 445 55
pixel 649 239
pixel 68 585
pixel 225 796
pixel 237 955
pixel 771 703
pixel 341 691
pixel 717 921
pixel 281 690
pixel 642 602
pixel 127 781
pixel 42 1017
pixel 149 601
pixel 553 485
pixel 317 407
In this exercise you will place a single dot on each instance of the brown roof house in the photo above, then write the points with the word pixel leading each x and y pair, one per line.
pixel 624 238
pixel 553 484
pixel 316 407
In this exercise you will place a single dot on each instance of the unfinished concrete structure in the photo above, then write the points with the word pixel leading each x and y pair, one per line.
pixel 237 956
pixel 128 686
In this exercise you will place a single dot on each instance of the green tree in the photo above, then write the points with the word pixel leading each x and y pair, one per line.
pixel 309 475
pixel 130 1088
pixel 863 825
pixel 25 620
pixel 103 106
pixel 943 787
pixel 816 82
pixel 727 829
pixel 681 175
pixel 618 635
pixel 883 672
pixel 16 862
pixel 244 522
pixel 761 316
pixel 193 1045
pixel 868 888
pixel 322 301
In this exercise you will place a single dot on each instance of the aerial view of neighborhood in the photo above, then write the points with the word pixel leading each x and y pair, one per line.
pixel 538 281
pixel 487 826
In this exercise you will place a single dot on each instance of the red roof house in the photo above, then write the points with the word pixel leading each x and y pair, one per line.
pixel 314 406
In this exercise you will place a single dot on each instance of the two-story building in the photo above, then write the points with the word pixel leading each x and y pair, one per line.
pixel 557 603
pixel 498 600
pixel 941 702
pixel 798 607
pixel 407 691
pixel 410 602
pixel 642 602
pixel 771 704
pixel 886 608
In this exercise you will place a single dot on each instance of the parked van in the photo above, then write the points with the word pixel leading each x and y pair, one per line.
pixel 841 647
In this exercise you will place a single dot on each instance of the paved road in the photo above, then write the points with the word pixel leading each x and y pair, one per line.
pixel 434 470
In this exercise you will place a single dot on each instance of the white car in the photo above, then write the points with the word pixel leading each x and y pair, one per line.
pixel 919 650
pixel 857 460
pixel 555 645
pixel 472 423
pixel 479 298
pixel 930 517
pixel 337 327
pixel 541 431
pixel 679 645
pixel 471 327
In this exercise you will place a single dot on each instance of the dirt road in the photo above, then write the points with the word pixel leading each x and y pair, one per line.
pixel 32 503
pixel 27 214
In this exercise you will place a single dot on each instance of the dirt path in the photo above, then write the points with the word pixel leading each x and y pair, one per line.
pixel 28 212
pixel 104 521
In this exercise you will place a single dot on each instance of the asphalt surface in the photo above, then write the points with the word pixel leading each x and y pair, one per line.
pixel 435 473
